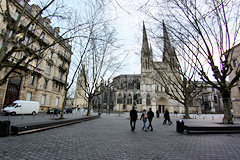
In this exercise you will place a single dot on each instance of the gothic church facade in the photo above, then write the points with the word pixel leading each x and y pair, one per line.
pixel 146 86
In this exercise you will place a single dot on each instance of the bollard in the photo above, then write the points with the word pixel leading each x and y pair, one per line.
pixel 203 117
pixel 180 126
pixel 4 128
pixel 212 117
pixel 22 116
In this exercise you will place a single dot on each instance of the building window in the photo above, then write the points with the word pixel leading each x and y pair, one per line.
pixel 48 69
pixel 1 43
pixel 10 34
pixel 235 63
pixel 43 100
pixel 31 80
pixel 57 101
pixel 51 55
pixel 61 77
pixel 148 100
pixel 31 27
pixel 42 36
pixel 59 88
pixel 26 40
pixel 129 99
pixel 29 96
pixel 15 15
pixel 45 84
pixel 215 99
pixel 139 99
pixel 119 99
pixel 124 99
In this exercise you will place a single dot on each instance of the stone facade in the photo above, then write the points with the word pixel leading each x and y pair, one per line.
pixel 235 92
pixel 209 100
pixel 150 94
pixel 46 82
pixel 80 91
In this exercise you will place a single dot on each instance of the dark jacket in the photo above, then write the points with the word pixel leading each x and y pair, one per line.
pixel 166 115
pixel 150 115
pixel 133 115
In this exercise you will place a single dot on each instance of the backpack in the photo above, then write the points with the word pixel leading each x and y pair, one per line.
pixel 145 115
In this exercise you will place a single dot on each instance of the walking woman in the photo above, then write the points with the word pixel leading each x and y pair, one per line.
pixel 144 117
pixel 167 117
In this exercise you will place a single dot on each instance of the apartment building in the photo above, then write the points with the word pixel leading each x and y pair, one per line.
pixel 43 78
pixel 235 92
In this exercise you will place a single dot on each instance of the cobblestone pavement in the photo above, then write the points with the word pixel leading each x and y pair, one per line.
pixel 109 137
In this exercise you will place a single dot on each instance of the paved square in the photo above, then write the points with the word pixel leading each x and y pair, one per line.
pixel 110 138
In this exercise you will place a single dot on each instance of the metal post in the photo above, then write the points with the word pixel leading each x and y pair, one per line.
pixel 4 94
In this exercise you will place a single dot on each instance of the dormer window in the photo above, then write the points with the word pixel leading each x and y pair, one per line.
pixel 235 63
pixel 31 27
pixel 42 36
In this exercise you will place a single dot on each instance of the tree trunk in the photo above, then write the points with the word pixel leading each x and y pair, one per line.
pixel 186 116
pixel 64 104
pixel 89 106
pixel 227 105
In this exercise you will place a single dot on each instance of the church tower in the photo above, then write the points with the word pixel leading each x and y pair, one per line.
pixel 169 54
pixel 146 54
pixel 80 92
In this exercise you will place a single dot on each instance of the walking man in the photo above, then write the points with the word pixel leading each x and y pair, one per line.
pixel 150 117
pixel 133 118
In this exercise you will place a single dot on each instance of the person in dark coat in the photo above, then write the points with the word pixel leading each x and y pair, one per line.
pixel 167 117
pixel 157 112
pixel 150 117
pixel 133 118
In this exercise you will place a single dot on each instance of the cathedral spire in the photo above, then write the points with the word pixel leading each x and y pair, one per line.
pixel 145 47
pixel 167 48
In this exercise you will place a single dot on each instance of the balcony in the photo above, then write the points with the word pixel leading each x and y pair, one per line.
pixel 62 69
pixel 64 58
pixel 57 79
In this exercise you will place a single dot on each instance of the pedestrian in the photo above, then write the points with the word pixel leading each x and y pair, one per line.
pixel 133 118
pixel 55 112
pixel 167 117
pixel 150 117
pixel 144 117
pixel 157 112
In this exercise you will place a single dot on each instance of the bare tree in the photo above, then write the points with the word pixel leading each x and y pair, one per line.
pixel 179 80
pixel 207 30
pixel 99 59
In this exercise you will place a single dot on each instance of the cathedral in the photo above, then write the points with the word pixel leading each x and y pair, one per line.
pixel 144 90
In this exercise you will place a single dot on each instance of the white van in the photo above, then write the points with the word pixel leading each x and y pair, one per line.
pixel 22 107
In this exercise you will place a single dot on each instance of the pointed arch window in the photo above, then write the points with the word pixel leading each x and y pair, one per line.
pixel 148 100
pixel 129 99
pixel 119 99
pixel 139 99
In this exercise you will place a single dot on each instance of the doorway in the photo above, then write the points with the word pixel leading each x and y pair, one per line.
pixel 13 90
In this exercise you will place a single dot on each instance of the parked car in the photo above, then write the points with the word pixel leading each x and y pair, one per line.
pixel 51 111
pixel 68 110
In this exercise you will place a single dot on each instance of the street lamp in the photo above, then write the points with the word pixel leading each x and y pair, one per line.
pixel 125 92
